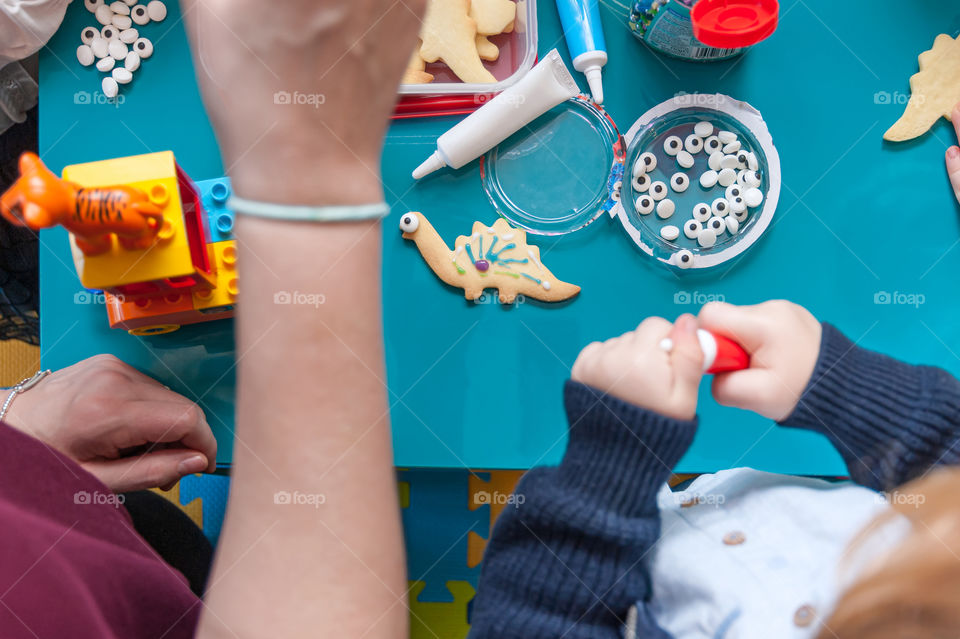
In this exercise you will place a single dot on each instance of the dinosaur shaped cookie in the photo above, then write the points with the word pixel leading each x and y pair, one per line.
pixel 497 257
pixel 934 90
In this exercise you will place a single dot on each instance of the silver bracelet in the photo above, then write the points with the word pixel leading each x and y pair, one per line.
pixel 22 387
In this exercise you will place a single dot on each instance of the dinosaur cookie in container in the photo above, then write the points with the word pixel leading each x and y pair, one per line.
pixel 494 257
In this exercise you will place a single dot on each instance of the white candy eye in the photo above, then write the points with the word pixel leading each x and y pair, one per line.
pixel 100 47
pixel 110 87
pixel 639 168
pixel 742 159
pixel 708 179
pixel 683 258
pixel 122 75
pixel 702 212
pixel 726 177
pixel 88 34
pixel 706 238
pixel 85 55
pixel 672 145
pixel 109 32
pixel 642 183
pixel 106 64
pixel 693 143
pixel 156 10
pixel 684 159
pixel 103 14
pixel 143 47
pixel 715 161
pixel 737 205
pixel 658 190
pixel 712 144
pixel 665 209
pixel 753 197
pixel 645 205
pixel 121 22
pixel 649 160
pixel 740 217
pixel 138 15
pixel 409 223
pixel 732 224
pixel 751 179
pixel 720 207
pixel 117 49
pixel 703 129
pixel 669 232
pixel 92 5
pixel 120 8
pixel 129 36
pixel 729 162
pixel 733 147
pixel 733 191
pixel 727 136
pixel 752 162
pixel 679 182
pixel 132 62
pixel 717 225
pixel 692 228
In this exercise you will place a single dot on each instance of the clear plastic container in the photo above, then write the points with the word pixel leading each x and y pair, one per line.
pixel 518 54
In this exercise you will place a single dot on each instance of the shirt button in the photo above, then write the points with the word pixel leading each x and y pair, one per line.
pixel 804 616
pixel 734 538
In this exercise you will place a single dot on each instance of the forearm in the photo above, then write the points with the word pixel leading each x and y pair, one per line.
pixel 891 421
pixel 312 419
pixel 568 560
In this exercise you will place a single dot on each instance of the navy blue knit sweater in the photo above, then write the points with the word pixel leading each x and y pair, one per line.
pixel 568 562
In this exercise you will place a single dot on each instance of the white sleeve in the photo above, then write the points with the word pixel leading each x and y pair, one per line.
pixel 27 25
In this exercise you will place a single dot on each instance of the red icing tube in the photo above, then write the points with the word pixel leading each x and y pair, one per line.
pixel 721 354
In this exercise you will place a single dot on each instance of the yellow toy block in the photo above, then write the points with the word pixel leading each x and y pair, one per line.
pixel 169 256
pixel 224 292
pixel 429 620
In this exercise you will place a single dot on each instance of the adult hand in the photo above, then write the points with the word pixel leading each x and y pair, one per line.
pixel 783 340
pixel 125 428
pixel 953 155
pixel 636 369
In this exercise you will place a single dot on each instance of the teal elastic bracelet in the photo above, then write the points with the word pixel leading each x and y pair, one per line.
pixel 302 213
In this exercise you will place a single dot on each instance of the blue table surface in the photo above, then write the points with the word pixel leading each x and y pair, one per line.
pixel 480 385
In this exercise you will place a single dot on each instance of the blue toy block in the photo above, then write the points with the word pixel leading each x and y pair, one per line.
pixel 436 527
pixel 212 491
pixel 214 195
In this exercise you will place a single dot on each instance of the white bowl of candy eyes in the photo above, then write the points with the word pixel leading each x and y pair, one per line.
pixel 701 180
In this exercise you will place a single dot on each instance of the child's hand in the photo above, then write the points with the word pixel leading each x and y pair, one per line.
pixel 783 340
pixel 634 368
pixel 953 155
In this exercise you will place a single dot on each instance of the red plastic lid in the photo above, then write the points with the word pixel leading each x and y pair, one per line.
pixel 731 24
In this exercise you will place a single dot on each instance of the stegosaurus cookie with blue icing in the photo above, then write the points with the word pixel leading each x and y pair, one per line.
pixel 491 257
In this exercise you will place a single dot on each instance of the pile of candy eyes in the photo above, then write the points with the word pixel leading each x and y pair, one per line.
pixel 732 167
pixel 116 46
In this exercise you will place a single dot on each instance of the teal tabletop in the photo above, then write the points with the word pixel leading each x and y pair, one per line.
pixel 865 236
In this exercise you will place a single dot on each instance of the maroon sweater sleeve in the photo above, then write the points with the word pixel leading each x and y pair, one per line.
pixel 71 564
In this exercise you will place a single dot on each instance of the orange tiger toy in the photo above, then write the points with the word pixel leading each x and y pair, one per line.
pixel 39 200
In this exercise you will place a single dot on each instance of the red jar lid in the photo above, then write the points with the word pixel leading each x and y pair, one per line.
pixel 731 24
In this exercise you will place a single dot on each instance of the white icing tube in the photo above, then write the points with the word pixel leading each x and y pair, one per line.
pixel 545 86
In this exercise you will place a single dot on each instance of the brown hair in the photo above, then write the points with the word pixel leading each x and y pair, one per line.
pixel 913 591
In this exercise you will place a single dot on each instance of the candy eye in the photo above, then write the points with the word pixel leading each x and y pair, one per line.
pixel 143 47
pixel 706 238
pixel 693 143
pixel 692 228
pixel 751 179
pixel 732 191
pixel 740 217
pixel 639 168
pixel 129 36
pixel 702 212
pixel 727 136
pixel 708 179
pixel 658 190
pixel 645 205
pixel 720 207
pixel 669 232
pixel 703 129
pixel 684 258
pixel 742 159
pixel 88 34
pixel 733 225
pixel 752 163
pixel 726 177
pixel 679 182
pixel 732 148
pixel 103 14
pixel 91 5
pixel 156 10
pixel 649 160
pixel 715 161
pixel 665 209
pixel 684 159
pixel 641 183
pixel 409 223
pixel 716 225
pixel 712 144
pixel 139 15
pixel 753 197
pixel 672 145
pixel 737 205
pixel 109 32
